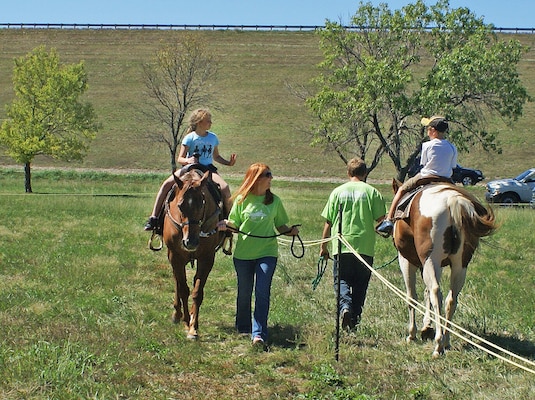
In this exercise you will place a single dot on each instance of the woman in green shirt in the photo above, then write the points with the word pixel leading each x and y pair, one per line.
pixel 257 214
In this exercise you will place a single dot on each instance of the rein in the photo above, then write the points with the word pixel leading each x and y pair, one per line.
pixel 236 230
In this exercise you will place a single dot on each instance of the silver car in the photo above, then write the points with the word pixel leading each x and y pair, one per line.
pixel 515 190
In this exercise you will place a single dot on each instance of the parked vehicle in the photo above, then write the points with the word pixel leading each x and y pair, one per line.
pixel 466 176
pixel 532 202
pixel 515 190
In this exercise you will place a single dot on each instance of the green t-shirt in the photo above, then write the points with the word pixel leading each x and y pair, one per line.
pixel 253 217
pixel 362 205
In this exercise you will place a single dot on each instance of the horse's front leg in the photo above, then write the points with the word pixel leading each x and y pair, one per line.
pixel 431 275
pixel 180 302
pixel 409 276
pixel 204 266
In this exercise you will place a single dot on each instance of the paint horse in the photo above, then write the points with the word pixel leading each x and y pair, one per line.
pixel 191 235
pixel 443 227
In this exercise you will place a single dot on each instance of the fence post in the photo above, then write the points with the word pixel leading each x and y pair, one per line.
pixel 337 268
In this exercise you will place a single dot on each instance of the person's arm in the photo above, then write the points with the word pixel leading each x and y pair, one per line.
pixel 217 157
pixel 182 159
pixel 324 249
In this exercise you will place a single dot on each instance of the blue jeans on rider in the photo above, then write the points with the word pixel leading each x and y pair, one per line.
pixel 354 279
pixel 257 273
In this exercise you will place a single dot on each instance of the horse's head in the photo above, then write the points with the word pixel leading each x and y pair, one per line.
pixel 191 202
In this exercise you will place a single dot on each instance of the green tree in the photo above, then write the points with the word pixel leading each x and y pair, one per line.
pixel 46 116
pixel 177 80
pixel 379 77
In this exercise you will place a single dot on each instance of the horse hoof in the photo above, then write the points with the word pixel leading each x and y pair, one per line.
pixel 437 354
pixel 428 334
pixel 409 339
pixel 192 336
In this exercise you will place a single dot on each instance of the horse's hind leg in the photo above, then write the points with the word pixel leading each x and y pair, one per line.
pixel 431 274
pixel 428 331
pixel 458 277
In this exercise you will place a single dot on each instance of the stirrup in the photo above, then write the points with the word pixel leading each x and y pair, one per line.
pixel 155 242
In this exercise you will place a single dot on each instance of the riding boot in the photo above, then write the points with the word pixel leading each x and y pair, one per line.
pixel 385 228
pixel 151 224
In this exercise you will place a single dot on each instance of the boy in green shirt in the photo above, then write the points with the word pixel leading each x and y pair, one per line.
pixel 362 207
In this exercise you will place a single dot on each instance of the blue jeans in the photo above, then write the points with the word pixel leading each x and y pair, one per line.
pixel 354 280
pixel 246 271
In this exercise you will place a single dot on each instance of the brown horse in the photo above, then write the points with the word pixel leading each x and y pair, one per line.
pixel 443 227
pixel 190 234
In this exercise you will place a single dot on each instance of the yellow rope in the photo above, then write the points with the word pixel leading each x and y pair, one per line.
pixel 419 307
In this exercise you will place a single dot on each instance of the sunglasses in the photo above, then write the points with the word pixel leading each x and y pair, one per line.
pixel 267 174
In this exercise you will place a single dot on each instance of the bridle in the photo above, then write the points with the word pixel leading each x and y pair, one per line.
pixel 203 222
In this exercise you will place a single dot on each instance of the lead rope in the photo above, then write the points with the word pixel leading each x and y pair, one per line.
pixel 322 266
pixel 236 230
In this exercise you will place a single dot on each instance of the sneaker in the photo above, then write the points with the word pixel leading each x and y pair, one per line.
pixel 385 228
pixel 258 343
pixel 346 319
pixel 152 224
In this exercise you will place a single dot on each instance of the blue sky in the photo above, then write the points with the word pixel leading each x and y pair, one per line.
pixel 501 13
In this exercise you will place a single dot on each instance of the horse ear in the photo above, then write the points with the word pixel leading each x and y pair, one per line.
pixel 396 185
pixel 178 181
pixel 205 175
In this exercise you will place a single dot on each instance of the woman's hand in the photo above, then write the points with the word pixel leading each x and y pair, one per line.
pixel 222 225
pixel 285 230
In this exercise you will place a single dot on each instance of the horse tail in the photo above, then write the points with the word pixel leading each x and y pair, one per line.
pixel 468 212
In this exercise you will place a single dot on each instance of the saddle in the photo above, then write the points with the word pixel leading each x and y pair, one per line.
pixel 402 210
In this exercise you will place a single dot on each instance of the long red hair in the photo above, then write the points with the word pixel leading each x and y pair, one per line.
pixel 254 172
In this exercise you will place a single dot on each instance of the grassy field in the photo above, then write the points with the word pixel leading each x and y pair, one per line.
pixel 85 308
pixel 254 113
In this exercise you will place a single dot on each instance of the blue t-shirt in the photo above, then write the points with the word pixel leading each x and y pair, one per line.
pixel 204 145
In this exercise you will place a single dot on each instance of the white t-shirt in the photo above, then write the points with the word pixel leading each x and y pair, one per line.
pixel 438 158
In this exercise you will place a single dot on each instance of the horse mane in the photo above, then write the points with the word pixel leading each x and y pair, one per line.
pixel 194 177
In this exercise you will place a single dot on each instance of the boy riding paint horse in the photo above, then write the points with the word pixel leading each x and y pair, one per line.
pixel 438 157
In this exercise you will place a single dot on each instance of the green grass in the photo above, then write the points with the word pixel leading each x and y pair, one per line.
pixel 254 113
pixel 85 308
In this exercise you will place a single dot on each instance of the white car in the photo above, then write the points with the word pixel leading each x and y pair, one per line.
pixel 515 190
